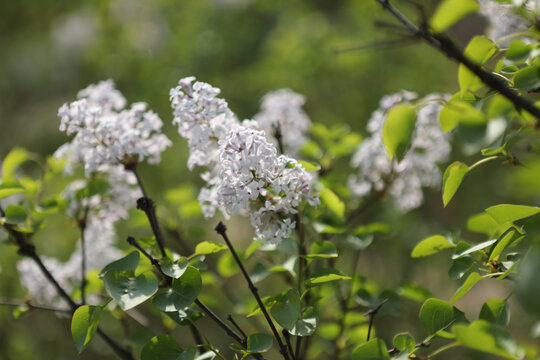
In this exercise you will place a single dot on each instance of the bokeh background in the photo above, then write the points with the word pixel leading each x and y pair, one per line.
pixel 52 48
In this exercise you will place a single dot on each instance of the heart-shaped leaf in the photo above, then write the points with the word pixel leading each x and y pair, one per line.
pixel 183 292
pixel 84 324
pixel 129 291
pixel 287 309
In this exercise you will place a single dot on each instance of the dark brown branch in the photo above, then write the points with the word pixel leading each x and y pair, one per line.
pixel 448 48
pixel 230 318
pixel 371 313
pixel 147 205
pixel 82 228
pixel 27 249
pixel 222 230
pixel 32 306
pixel 201 305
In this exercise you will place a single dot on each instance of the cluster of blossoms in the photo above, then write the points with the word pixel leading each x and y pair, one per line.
pixel 505 19
pixel 104 140
pixel 107 133
pixel 282 111
pixel 403 180
pixel 245 172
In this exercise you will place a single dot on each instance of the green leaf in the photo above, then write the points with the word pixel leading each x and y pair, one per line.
pixel 374 349
pixel 259 343
pixel 460 267
pixel 482 223
pixel 479 50
pixel 496 311
pixel 226 264
pixel 510 213
pixel 475 248
pixel 450 12
pixel 322 250
pixel 13 159
pixel 174 269
pixel 183 292
pixel 129 291
pixel 309 166
pixel 404 342
pixel 128 262
pixel 467 285
pixel 457 112
pixel 332 201
pixel 84 324
pixel 286 309
pixel 528 78
pixel 208 247
pixel 518 52
pixel 453 176
pixel 436 315
pixel 486 337
pixel 414 292
pixel 15 214
pixel 508 238
pixel 398 129
pixel 307 323
pixel 431 245
pixel 326 275
pixel 10 187
pixel 162 347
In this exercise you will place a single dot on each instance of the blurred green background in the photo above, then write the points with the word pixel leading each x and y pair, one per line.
pixel 53 48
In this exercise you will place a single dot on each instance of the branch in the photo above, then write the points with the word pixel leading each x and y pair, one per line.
pixel 31 306
pixel 147 205
pixel 82 228
pixel 372 314
pixel 447 47
pixel 201 305
pixel 222 230
pixel 27 249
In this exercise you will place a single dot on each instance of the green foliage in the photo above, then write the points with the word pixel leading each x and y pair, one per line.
pixel 436 315
pixel 128 263
pixel 326 275
pixel 286 309
pixel 431 245
pixel 174 269
pixel 509 213
pixel 183 292
pixel 322 250
pixel 404 342
pixel 162 347
pixel 450 12
pixel 398 129
pixel 84 324
pixel 486 337
pixel 12 161
pixel 332 201
pixel 208 247
pixel 15 214
pixel 471 280
pixel 496 311
pixel 127 290
pixel 259 343
pixel 374 349
pixel 479 50
pixel 452 178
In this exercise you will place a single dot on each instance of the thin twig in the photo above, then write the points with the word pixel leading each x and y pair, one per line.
pixel 27 249
pixel 222 230
pixel 201 305
pixel 147 205
pixel 82 228
pixel 287 337
pixel 372 314
pixel 447 47
pixel 235 324
pixel 32 306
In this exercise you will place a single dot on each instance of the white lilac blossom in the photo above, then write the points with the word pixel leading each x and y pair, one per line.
pixel 107 133
pixel 245 174
pixel 112 204
pixel 282 110
pixel 403 180
pixel 202 118
pixel 504 20
pixel 100 234
pixel 255 180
